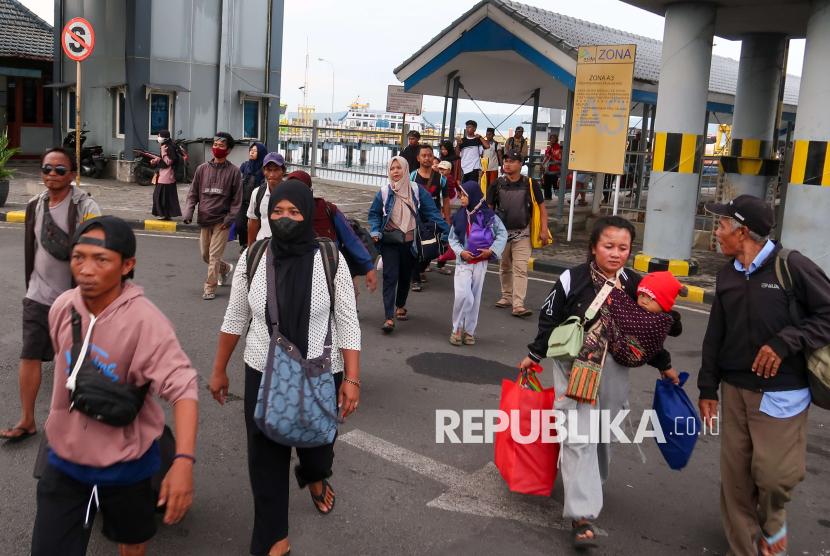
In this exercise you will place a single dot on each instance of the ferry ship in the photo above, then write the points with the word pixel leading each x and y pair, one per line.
pixel 361 116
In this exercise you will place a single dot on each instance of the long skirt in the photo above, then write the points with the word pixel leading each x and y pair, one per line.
pixel 166 200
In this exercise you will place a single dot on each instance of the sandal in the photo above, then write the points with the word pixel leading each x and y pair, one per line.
pixel 209 295
pixel 444 271
pixel 12 439
pixel 455 338
pixel 416 287
pixel 469 339
pixel 321 498
pixel 388 325
pixel 424 277
pixel 586 542
pixel 399 315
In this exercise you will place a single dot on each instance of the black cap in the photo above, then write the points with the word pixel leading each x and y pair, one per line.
pixel 749 211
pixel 513 154
pixel 118 236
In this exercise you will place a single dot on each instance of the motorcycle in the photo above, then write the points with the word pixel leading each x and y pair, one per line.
pixel 93 160
pixel 144 170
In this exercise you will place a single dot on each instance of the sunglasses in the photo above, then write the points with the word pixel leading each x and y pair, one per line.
pixel 222 139
pixel 60 169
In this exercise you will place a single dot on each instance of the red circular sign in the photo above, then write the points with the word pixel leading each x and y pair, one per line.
pixel 78 38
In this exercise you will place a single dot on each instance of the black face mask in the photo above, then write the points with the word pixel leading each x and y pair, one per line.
pixel 286 229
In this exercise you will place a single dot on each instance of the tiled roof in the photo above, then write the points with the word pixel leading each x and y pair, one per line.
pixel 568 33
pixel 23 34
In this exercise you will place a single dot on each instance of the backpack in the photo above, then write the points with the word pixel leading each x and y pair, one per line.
pixel 818 362
pixel 179 167
pixel 260 195
pixel 331 258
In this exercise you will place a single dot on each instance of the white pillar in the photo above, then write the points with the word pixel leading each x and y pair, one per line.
pixel 805 225
pixel 682 96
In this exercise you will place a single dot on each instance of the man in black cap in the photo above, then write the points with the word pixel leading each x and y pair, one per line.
pixel 518 142
pixel 765 391
pixel 106 328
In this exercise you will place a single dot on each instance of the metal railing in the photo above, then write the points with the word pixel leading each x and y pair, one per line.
pixel 341 153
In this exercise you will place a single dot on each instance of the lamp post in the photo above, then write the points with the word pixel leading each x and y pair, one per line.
pixel 332 85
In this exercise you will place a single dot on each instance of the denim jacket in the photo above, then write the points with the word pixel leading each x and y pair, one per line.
pixel 379 213
pixel 499 241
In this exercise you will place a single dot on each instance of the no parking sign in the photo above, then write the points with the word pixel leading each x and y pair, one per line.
pixel 78 39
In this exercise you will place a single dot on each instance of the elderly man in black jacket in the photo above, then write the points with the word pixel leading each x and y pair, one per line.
pixel 754 352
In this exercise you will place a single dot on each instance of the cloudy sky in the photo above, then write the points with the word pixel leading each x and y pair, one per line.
pixel 366 39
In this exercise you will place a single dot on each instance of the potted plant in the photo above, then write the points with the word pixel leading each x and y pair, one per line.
pixel 5 154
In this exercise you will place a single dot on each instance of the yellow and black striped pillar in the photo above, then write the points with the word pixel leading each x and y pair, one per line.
pixel 677 152
pixel 751 148
pixel 811 163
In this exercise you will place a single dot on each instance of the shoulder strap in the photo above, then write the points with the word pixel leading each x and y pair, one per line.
pixel 260 195
pixel 76 327
pixel 384 195
pixel 785 278
pixel 331 258
pixel 253 256
pixel 329 213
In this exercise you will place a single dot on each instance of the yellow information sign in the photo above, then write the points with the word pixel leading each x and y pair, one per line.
pixel 602 103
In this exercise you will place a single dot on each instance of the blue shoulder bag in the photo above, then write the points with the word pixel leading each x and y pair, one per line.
pixel 297 401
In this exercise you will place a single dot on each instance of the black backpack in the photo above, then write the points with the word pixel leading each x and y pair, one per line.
pixel 331 258
pixel 179 166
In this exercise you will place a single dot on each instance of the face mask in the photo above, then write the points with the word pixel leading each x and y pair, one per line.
pixel 220 153
pixel 160 140
pixel 286 229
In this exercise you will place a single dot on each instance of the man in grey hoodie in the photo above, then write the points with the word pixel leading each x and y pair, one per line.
pixel 217 189
pixel 51 218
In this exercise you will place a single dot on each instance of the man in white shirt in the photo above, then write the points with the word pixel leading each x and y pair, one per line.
pixel 469 148
pixel 273 168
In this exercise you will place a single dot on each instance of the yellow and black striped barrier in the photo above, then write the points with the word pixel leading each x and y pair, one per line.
pixel 811 163
pixel 677 152
pixel 145 225
pixel 749 166
pixel 751 148
pixel 646 263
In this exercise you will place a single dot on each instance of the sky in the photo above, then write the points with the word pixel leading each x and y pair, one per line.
pixel 366 39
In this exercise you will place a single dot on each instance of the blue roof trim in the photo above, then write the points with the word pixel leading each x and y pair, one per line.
pixel 489 36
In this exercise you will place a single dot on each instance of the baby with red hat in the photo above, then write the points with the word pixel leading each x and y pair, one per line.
pixel 656 294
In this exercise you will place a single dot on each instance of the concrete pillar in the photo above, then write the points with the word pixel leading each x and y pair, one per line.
pixel 682 96
pixel 805 225
pixel 756 103
pixel 349 156
pixel 363 156
pixel 324 154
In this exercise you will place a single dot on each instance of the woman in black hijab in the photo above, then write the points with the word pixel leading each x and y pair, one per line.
pixel 304 312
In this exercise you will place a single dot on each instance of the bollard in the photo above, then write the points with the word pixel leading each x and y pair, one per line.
pixel 288 155
pixel 305 154
pixel 324 154
pixel 314 139
pixel 349 156
pixel 363 157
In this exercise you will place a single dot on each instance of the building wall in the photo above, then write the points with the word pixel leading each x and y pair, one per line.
pixel 172 42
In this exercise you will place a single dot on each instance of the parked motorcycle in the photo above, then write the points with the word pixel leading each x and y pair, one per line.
pixel 143 168
pixel 93 160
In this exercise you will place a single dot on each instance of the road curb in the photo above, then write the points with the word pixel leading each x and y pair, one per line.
pixel 696 294
pixel 144 225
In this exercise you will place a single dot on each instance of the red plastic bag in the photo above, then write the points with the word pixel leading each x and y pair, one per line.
pixel 527 468
pixel 449 255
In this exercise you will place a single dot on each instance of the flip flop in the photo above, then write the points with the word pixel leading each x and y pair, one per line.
pixel 416 287
pixel 12 439
pixel 401 316
pixel 322 498
pixel 443 271
pixel 586 542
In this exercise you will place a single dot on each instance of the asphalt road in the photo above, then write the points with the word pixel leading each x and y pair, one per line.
pixel 398 491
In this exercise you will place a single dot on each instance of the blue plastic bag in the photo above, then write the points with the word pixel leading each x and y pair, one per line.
pixel 679 421
pixel 232 232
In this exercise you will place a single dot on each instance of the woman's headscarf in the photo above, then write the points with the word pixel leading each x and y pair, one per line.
pixel 451 156
pixel 401 215
pixel 477 209
pixel 294 264
pixel 254 167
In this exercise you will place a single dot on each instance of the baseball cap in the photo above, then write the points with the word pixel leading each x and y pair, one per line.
pixel 749 211
pixel 299 175
pixel 513 154
pixel 445 165
pixel 662 287
pixel 118 236
pixel 276 158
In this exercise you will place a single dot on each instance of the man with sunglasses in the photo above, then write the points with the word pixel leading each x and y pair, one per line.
pixel 51 219
pixel 217 189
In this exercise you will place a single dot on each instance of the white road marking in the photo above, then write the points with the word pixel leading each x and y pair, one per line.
pixel 483 493
pixel 182 235
pixel 692 309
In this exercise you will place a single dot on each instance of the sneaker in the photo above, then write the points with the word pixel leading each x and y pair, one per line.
pixel 522 312
pixel 224 278
pixel 502 303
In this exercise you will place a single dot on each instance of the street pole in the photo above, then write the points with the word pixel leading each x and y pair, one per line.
pixel 78 127
pixel 403 133
pixel 332 85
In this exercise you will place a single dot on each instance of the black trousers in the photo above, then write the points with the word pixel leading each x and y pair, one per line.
pixel 549 182
pixel 269 466
pixel 398 262
pixel 471 176
pixel 242 225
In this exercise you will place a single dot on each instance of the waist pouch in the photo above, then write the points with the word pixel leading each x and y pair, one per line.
pixel 297 400
pixel 96 395
pixel 52 238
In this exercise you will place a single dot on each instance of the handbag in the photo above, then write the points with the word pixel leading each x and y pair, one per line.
pixel 679 421
pixel 393 237
pixel 430 244
pixel 527 468
pixel 566 339
pixel 536 222
pixel 52 238
pixel 297 400
pixel 96 395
